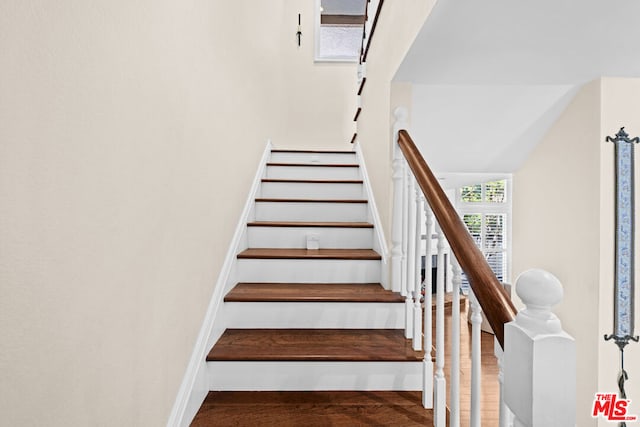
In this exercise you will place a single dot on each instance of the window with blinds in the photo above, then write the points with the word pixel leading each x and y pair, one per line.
pixel 485 212
pixel 489 192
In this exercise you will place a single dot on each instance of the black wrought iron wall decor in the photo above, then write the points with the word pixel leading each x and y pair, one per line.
pixel 623 317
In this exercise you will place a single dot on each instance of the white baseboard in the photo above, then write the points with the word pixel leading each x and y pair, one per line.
pixel 194 387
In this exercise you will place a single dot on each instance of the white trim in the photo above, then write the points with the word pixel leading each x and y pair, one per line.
pixel 314 315
pixel 191 393
pixel 314 375
pixel 379 241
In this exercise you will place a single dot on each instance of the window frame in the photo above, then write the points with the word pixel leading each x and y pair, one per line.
pixel 484 208
pixel 316 48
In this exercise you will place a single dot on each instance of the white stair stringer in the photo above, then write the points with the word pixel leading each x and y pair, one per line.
pixel 308 270
pixel 298 376
pixel 296 237
pixel 311 315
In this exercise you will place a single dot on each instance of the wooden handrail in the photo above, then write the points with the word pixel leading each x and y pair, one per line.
pixel 491 295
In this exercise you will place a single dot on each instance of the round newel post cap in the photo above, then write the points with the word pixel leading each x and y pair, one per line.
pixel 539 290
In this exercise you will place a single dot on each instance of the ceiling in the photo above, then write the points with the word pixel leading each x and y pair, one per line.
pixel 490 78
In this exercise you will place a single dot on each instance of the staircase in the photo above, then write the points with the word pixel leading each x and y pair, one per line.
pixel 309 311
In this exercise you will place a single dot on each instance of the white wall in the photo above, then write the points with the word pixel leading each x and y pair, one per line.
pixel 397 27
pixel 563 222
pixel 129 133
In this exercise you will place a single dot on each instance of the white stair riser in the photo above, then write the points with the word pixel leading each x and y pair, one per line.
pixel 296 237
pixel 326 212
pixel 300 376
pixel 312 190
pixel 312 172
pixel 308 271
pixel 333 158
pixel 310 315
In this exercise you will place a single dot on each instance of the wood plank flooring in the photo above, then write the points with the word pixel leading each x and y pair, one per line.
pixel 311 292
pixel 281 150
pixel 295 409
pixel 336 165
pixel 314 181
pixel 297 253
pixel 363 345
pixel 319 224
pixel 299 200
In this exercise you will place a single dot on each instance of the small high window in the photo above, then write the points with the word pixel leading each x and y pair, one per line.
pixel 339 29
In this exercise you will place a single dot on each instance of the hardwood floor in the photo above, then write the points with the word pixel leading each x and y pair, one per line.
pixel 310 224
pixel 297 253
pixel 354 408
pixel 311 292
pixel 295 409
pixel 314 345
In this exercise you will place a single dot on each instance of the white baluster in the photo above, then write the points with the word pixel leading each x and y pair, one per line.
pixel 411 254
pixel 427 393
pixel 417 291
pixel 535 342
pixel 476 353
pixel 440 383
pixel 506 417
pixel 398 188
pixel 405 227
pixel 454 386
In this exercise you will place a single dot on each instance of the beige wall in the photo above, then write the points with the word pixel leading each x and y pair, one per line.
pixel 563 222
pixel 129 134
pixel 398 26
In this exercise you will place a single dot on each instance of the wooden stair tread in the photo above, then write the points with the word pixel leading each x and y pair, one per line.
pixel 297 200
pixel 279 150
pixel 334 165
pixel 310 224
pixel 313 408
pixel 314 181
pixel 301 253
pixel 314 345
pixel 311 292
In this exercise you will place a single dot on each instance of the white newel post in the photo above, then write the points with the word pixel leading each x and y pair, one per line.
pixel 427 393
pixel 539 357
pixel 417 309
pixel 506 417
pixel 398 185
pixel 439 381
pixel 476 361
